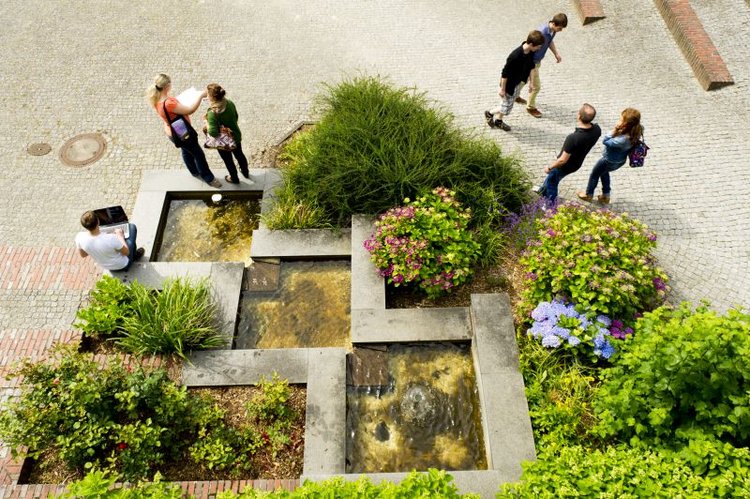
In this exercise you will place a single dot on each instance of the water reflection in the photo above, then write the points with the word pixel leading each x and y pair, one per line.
pixel 309 308
pixel 203 231
pixel 426 416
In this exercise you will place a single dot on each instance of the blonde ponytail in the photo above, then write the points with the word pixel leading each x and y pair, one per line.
pixel 153 92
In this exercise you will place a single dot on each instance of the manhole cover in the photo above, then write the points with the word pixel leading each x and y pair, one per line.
pixel 39 149
pixel 83 149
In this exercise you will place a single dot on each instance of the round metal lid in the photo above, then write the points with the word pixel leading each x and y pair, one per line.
pixel 83 149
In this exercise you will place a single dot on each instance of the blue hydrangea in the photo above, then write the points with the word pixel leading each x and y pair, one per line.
pixel 546 328
pixel 551 341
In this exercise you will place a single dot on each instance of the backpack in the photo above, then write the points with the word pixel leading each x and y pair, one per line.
pixel 637 154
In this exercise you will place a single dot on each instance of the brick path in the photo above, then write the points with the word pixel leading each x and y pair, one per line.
pixel 83 67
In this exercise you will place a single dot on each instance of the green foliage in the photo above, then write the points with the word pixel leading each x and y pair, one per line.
pixel 425 242
pixel 559 390
pixel 434 483
pixel 179 318
pixel 599 260
pixel 106 416
pixel 376 145
pixel 622 472
pixel 109 305
pixel 270 404
pixel 682 370
pixel 290 213
pixel 98 484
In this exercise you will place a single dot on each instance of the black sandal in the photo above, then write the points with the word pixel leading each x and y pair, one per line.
pixel 228 178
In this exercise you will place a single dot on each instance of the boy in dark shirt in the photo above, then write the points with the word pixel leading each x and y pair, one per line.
pixel 575 148
pixel 518 67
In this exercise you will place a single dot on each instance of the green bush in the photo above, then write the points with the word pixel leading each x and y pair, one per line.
pixel 99 484
pixel 434 483
pixel 108 416
pixel 376 145
pixel 109 305
pixel 599 260
pixel 559 392
pixel 425 243
pixel 622 472
pixel 179 318
pixel 270 404
pixel 682 370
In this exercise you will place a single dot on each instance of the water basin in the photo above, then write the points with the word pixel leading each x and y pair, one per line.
pixel 413 407
pixel 307 305
pixel 203 230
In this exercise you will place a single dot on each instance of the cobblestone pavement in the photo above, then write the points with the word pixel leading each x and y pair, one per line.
pixel 76 67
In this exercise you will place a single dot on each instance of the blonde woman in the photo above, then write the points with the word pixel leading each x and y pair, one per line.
pixel 617 146
pixel 170 110
pixel 222 112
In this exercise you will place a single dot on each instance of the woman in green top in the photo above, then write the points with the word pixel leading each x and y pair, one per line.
pixel 222 112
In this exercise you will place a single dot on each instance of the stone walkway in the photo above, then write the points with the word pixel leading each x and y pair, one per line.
pixel 83 67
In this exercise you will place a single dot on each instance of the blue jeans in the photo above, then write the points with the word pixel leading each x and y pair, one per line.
pixel 549 187
pixel 132 247
pixel 601 171
pixel 229 162
pixel 195 159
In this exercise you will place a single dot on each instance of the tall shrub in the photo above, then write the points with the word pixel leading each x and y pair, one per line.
pixel 376 145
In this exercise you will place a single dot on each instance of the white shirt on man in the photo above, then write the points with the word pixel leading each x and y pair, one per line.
pixel 104 249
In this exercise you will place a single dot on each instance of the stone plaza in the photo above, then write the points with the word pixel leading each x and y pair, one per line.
pixel 83 67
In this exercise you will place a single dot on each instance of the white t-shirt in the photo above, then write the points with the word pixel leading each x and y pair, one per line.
pixel 104 249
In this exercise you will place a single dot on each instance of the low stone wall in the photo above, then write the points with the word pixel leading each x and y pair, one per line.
pixel 696 45
pixel 589 10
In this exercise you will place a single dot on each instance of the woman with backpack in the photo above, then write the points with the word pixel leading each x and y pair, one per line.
pixel 222 113
pixel 617 146
pixel 176 116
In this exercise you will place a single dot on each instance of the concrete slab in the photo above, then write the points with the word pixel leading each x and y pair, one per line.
pixel 319 243
pixel 423 324
pixel 226 280
pixel 272 181
pixel 507 425
pixel 494 332
pixel 146 216
pixel 245 367
pixel 368 287
pixel 325 425
pixel 508 435
pixel 179 181
pixel 262 276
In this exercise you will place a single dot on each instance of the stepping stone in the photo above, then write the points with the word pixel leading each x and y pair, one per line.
pixel 261 276
pixel 367 366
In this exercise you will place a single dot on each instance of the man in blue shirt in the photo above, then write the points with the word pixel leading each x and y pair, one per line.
pixel 549 30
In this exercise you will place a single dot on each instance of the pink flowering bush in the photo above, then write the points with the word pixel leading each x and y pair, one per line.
pixel 425 242
pixel 599 260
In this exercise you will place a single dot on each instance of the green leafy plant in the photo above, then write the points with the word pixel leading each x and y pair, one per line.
pixel 109 305
pixel 681 370
pixel 599 260
pixel 290 213
pixel 107 416
pixel 433 483
pixel 622 472
pixel 179 318
pixel 270 404
pixel 559 391
pixel 425 242
pixel 101 484
pixel 376 145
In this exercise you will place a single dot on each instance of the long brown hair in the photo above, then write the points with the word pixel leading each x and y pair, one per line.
pixel 630 125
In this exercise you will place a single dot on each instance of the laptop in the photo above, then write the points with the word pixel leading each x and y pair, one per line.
pixel 112 218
